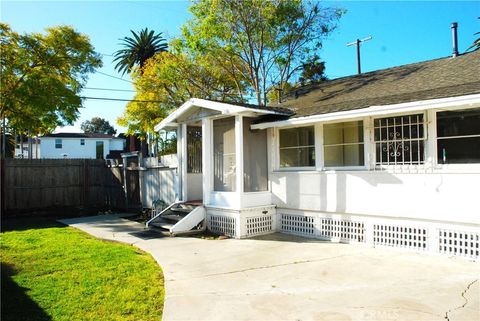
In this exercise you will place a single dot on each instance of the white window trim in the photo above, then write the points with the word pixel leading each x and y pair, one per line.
pixel 364 143
pixel 446 168
pixel 277 167
pixel 430 163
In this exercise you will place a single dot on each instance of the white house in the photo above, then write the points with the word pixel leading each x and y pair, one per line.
pixel 385 158
pixel 79 145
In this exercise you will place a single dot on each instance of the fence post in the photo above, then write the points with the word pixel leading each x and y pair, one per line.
pixel 85 183
pixel 2 185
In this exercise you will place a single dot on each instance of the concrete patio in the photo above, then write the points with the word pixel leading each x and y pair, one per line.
pixel 280 277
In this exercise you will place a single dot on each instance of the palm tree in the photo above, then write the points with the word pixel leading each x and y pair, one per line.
pixel 138 49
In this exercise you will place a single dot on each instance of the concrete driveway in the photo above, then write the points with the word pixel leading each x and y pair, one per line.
pixel 280 277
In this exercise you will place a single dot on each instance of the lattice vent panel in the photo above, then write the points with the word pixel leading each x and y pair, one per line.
pixel 345 230
pixel 222 224
pixel 400 236
pixel 459 243
pixel 297 224
pixel 259 225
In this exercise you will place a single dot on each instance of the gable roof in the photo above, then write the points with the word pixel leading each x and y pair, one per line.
pixel 81 135
pixel 221 108
pixel 433 79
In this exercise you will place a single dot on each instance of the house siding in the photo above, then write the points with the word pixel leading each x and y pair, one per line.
pixel 73 148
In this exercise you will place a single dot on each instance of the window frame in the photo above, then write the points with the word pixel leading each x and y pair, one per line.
pixel 58 143
pixel 433 146
pixel 365 146
pixel 426 142
pixel 277 150
pixel 82 141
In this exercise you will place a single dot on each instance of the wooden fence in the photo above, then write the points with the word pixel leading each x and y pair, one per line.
pixel 42 184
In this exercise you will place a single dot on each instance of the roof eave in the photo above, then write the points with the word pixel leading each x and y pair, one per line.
pixel 224 108
pixel 450 102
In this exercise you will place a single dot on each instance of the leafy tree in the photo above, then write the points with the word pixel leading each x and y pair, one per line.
pixel 168 80
pixel 138 49
pixel 42 76
pixel 312 71
pixel 264 43
pixel 99 126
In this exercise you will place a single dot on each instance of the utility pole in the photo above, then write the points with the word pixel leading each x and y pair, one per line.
pixel 358 50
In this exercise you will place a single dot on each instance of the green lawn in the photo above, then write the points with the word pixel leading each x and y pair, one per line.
pixel 53 272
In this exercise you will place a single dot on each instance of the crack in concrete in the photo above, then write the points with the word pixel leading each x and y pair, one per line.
pixel 263 267
pixel 464 297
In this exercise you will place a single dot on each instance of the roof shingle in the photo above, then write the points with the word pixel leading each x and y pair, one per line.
pixel 439 78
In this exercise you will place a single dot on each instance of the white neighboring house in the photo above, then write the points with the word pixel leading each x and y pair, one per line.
pixel 79 145
pixel 385 158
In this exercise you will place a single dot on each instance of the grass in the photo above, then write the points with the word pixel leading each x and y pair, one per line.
pixel 53 272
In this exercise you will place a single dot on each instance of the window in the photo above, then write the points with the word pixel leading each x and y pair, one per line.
pixel 194 149
pixel 343 144
pixel 82 141
pixel 458 136
pixel 297 147
pixel 255 168
pixel 399 140
pixel 58 143
pixel 224 163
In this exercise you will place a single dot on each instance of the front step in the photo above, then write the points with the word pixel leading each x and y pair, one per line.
pixel 180 218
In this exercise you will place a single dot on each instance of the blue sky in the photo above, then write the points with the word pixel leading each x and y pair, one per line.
pixel 403 32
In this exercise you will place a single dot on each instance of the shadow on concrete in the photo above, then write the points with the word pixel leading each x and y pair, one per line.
pixel 15 302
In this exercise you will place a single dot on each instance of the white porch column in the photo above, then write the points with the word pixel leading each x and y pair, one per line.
pixel 207 164
pixel 239 158
pixel 183 164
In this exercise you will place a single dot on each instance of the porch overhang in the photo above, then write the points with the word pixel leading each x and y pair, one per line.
pixel 450 103
pixel 220 108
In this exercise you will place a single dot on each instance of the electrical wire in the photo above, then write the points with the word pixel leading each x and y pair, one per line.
pixel 119 99
pixel 102 73
pixel 109 89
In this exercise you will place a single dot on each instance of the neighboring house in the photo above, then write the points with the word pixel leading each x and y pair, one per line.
pixel 78 145
pixel 384 158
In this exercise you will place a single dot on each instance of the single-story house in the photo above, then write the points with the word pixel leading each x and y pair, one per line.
pixel 385 158
pixel 80 145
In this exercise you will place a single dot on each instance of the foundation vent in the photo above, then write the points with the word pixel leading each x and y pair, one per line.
pixel 343 230
pixel 459 243
pixel 393 235
pixel 298 225
pixel 222 224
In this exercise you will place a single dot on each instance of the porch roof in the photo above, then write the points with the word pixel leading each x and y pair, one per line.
pixel 220 108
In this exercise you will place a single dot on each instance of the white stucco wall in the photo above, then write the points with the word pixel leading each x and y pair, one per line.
pixel 73 149
pixel 451 197
pixel 432 192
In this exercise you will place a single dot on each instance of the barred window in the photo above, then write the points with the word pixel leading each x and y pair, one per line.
pixel 399 140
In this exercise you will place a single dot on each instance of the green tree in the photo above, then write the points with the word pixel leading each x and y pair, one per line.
pixel 167 81
pixel 264 43
pixel 98 125
pixel 42 76
pixel 138 49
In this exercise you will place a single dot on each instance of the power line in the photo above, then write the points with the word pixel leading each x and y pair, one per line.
pixel 102 73
pixel 109 89
pixel 119 99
